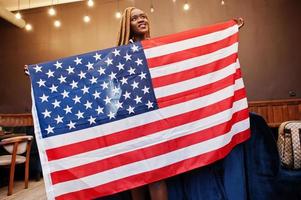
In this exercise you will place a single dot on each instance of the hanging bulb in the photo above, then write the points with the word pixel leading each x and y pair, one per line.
pixel 28 27
pixel 174 1
pixel 118 14
pixel 186 6
pixel 152 9
pixel 87 19
pixel 57 23
pixel 18 15
pixel 90 3
pixel 51 11
pixel 222 2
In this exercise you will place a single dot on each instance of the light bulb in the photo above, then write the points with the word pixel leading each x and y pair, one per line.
pixel 152 9
pixel 118 15
pixel 174 1
pixel 222 2
pixel 51 11
pixel 57 23
pixel 87 19
pixel 90 3
pixel 28 27
pixel 186 6
pixel 18 15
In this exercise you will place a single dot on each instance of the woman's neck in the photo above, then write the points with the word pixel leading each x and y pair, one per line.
pixel 137 38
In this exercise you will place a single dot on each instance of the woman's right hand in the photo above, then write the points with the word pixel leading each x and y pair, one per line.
pixel 26 70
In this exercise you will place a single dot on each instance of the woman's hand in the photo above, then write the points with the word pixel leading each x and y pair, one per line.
pixel 26 70
pixel 239 21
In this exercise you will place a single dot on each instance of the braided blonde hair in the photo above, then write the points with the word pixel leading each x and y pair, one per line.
pixel 125 34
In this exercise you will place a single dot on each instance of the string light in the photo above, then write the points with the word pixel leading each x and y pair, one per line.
pixel 186 6
pixel 152 9
pixel 118 15
pixel 57 23
pixel 51 10
pixel 87 19
pixel 222 2
pixel 90 3
pixel 28 27
pixel 18 14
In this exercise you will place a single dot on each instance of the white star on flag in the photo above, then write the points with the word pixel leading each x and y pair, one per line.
pixel 62 79
pixel 97 56
pixel 139 61
pixel 68 109
pixel 107 100
pixel 50 73
pixel 65 94
pixel 130 109
pixel 124 80
pixel 128 57
pixel 135 85
pixel 90 66
pixel 59 119
pixel 88 104
pixel 92 120
pixel 135 48
pixel 76 99
pixel 101 71
pixel 116 52
pixel 46 113
pixel 70 70
pixel 109 61
pixel 74 84
pixel 44 98
pixel 38 68
pixel 41 83
pixel 56 103
pixel 71 125
pixel 49 129
pixel 58 65
pixel 79 115
pixel 96 95
pixel 93 80
pixel 78 61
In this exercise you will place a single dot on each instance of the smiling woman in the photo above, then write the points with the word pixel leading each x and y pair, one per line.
pixel 135 27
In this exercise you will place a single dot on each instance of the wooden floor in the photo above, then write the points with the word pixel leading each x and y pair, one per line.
pixel 35 191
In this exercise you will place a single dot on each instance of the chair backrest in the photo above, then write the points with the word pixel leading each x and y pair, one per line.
pixel 22 141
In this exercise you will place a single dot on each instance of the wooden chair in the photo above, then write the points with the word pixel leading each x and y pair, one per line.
pixel 16 146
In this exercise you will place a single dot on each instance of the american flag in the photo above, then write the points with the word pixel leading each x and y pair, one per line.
pixel 115 119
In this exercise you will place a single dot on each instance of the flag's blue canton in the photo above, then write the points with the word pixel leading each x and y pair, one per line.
pixel 92 89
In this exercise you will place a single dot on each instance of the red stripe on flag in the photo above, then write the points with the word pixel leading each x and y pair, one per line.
pixel 136 132
pixel 191 53
pixel 148 152
pixel 198 92
pixel 186 34
pixel 157 174
pixel 194 72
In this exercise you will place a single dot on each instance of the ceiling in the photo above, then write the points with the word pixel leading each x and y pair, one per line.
pixel 12 5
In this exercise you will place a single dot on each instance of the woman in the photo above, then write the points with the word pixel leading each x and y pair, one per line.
pixel 135 27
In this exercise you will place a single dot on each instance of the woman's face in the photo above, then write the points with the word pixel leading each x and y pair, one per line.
pixel 139 22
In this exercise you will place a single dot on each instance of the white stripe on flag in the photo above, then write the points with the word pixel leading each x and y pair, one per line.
pixel 190 43
pixel 195 82
pixel 138 120
pixel 149 140
pixel 193 62
pixel 151 163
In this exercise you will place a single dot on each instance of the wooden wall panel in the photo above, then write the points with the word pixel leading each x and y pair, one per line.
pixel 277 111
